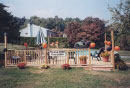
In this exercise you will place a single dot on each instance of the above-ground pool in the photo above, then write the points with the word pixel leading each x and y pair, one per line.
pixel 86 52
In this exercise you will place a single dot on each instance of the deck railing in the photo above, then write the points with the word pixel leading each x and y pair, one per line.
pixel 54 56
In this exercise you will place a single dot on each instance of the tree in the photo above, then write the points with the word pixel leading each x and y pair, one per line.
pixel 121 23
pixel 94 28
pixel 72 30
pixel 91 29
pixel 121 17
pixel 9 24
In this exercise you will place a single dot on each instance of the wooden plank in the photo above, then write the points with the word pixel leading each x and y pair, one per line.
pixel 112 38
pixel 67 57
pixel 5 38
pixel 45 56
pixel 90 59
pixel 78 56
pixel 105 40
pixel 25 56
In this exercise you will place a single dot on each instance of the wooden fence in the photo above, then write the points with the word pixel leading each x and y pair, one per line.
pixel 51 56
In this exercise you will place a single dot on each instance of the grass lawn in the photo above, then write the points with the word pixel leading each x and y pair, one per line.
pixel 59 78
pixel 124 53
pixel 11 46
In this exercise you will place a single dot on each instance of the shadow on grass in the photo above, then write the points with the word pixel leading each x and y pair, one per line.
pixel 1 59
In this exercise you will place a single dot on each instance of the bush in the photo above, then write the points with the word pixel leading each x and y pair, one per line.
pixel 31 41
pixel 66 66
pixel 21 65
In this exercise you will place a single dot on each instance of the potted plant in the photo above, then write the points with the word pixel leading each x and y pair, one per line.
pixel 83 59
pixel 21 65
pixel 105 56
pixel 66 66
pixel 44 66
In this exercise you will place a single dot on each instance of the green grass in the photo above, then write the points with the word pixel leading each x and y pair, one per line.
pixel 11 46
pixel 124 53
pixel 59 78
pixel 126 59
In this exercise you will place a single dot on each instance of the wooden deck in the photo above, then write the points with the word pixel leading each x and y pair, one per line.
pixel 70 56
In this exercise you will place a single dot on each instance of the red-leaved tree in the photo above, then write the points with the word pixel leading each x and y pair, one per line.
pixel 91 29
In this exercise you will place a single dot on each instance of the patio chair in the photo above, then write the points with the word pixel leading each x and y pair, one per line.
pixel 97 54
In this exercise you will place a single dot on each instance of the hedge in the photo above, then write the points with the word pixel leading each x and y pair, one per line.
pixel 63 43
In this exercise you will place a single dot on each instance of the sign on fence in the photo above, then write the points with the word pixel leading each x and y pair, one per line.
pixel 57 53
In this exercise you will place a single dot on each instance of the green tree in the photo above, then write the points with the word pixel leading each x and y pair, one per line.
pixel 121 23
pixel 9 24
pixel 121 17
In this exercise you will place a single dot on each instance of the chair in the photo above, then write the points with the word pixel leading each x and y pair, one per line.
pixel 97 54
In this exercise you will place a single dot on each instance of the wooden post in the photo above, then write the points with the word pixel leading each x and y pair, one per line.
pixel 90 67
pixel 5 38
pixel 48 42
pixel 25 56
pixel 105 40
pixel 46 56
pixel 112 52
pixel 67 57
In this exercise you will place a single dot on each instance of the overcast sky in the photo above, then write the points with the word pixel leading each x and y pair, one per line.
pixel 61 8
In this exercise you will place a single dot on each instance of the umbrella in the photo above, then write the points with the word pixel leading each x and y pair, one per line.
pixel 40 38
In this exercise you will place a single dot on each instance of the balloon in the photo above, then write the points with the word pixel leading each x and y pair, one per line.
pixel 92 45
pixel 108 43
pixel 25 44
pixel 109 48
pixel 57 42
pixel 44 45
pixel 117 48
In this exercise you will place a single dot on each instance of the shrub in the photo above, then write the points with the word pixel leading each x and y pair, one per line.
pixel 21 65
pixel 44 66
pixel 66 66
pixel 105 54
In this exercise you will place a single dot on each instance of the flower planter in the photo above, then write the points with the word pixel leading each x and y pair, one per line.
pixel 21 65
pixel 105 59
pixel 83 61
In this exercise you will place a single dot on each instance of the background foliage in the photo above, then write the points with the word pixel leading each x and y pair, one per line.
pixel 9 24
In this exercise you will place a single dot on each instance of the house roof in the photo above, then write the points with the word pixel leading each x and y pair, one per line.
pixel 26 31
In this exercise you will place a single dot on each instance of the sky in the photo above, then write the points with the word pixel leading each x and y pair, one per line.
pixel 61 8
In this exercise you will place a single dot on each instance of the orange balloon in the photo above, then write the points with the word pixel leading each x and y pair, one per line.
pixel 57 42
pixel 117 48
pixel 44 45
pixel 105 42
pixel 92 45
pixel 109 43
